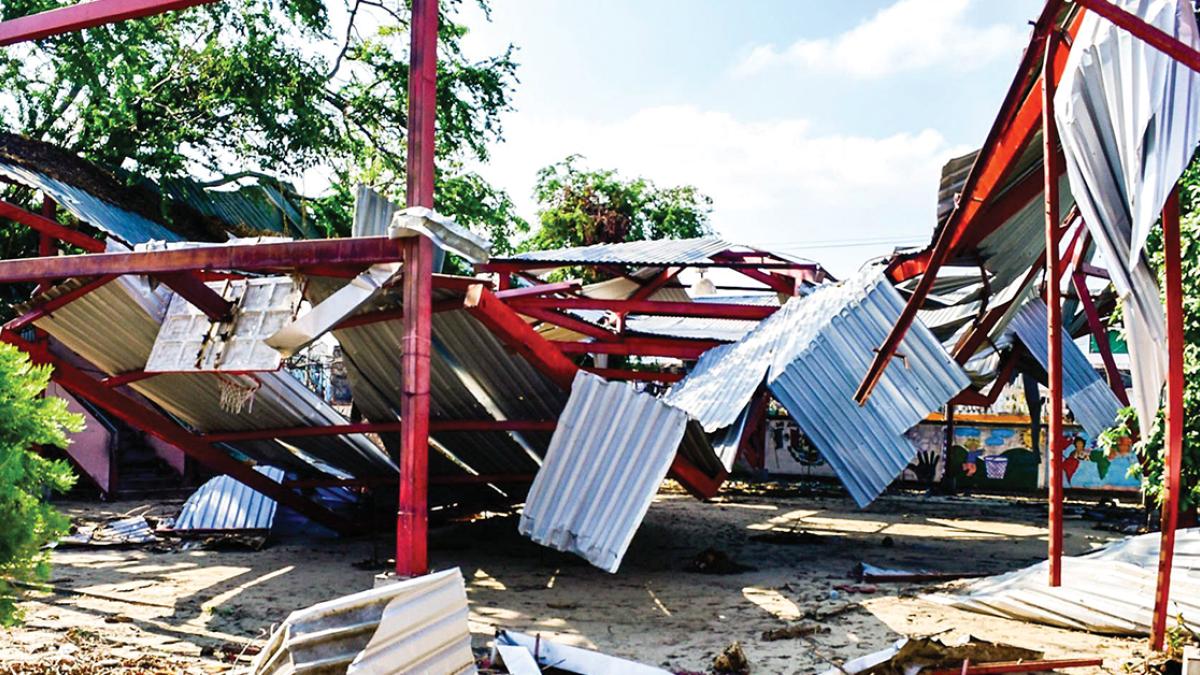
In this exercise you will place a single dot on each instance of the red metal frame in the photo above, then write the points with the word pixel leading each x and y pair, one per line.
pixel 708 310
pixel 47 226
pixel 412 521
pixel 1151 35
pixel 1051 169
pixel 507 325
pixel 1016 124
pixel 673 348
pixel 85 15
pixel 1175 420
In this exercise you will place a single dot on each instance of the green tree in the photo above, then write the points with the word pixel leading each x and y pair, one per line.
pixel 27 419
pixel 245 90
pixel 581 207
pixel 1150 447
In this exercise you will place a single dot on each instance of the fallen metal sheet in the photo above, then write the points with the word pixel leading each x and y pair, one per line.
pixel 190 341
pixel 517 660
pixel 1129 119
pixel 574 659
pixel 932 654
pixel 414 626
pixel 130 227
pixel 445 233
pixel 1087 395
pixel 250 209
pixel 819 362
pixel 1110 591
pixel 122 532
pixel 223 503
pixel 611 450
pixel 130 312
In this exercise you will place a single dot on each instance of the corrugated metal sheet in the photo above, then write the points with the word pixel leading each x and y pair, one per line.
pixel 1129 119
pixel 611 450
pixel 817 367
pixel 658 252
pixel 472 376
pixel 414 626
pixel 1110 591
pixel 130 227
pixel 1086 394
pixel 114 327
pixel 225 504
pixel 246 210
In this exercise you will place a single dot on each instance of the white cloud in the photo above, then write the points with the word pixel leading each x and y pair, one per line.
pixel 908 35
pixel 773 182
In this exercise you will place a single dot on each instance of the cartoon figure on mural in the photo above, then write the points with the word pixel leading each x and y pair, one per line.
pixel 1088 466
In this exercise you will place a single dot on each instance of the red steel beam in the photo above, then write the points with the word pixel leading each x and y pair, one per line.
pixel 1151 35
pixel 1009 135
pixel 47 226
pixel 708 310
pixel 158 425
pixel 539 289
pixel 699 484
pixel 189 286
pixel 256 257
pixel 512 330
pixel 84 15
pixel 412 521
pixel 435 426
pixel 1054 337
pixel 978 398
pixel 1101 334
pixel 655 283
pixel 1175 420
pixel 1039 666
pixel 570 323
pixel 642 346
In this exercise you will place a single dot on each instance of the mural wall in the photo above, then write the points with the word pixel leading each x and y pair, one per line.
pixel 984 455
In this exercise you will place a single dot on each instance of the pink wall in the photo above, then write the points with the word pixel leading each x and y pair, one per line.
pixel 89 448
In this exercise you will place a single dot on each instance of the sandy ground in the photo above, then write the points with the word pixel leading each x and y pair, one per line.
pixel 198 606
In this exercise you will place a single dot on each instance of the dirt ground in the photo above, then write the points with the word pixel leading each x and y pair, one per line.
pixel 199 609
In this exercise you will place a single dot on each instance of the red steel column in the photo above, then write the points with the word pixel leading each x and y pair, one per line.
pixel 1174 415
pixel 1051 171
pixel 417 287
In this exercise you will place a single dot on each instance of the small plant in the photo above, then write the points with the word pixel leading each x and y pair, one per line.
pixel 28 420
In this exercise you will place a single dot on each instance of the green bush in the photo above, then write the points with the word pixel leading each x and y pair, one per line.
pixel 28 420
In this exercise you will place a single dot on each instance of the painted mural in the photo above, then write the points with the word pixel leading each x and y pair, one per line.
pixel 986 456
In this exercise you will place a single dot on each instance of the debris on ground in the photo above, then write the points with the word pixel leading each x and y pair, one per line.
pixel 84 653
pixel 868 572
pixel 793 631
pixel 732 661
pixel 788 538
pixel 565 658
pixel 912 655
pixel 713 561
pixel 866 589
pixel 132 531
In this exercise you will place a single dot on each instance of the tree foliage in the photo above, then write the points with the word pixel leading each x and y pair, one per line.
pixel 28 420
pixel 581 207
pixel 246 88
pixel 1150 446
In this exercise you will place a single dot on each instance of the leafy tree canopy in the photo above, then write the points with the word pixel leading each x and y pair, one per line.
pixel 248 88
pixel 581 207
pixel 27 420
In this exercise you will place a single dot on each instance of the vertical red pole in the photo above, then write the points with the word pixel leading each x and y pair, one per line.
pixel 1174 415
pixel 412 515
pixel 1051 171
pixel 46 245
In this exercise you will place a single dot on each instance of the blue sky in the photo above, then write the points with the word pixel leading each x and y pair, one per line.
pixel 812 124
